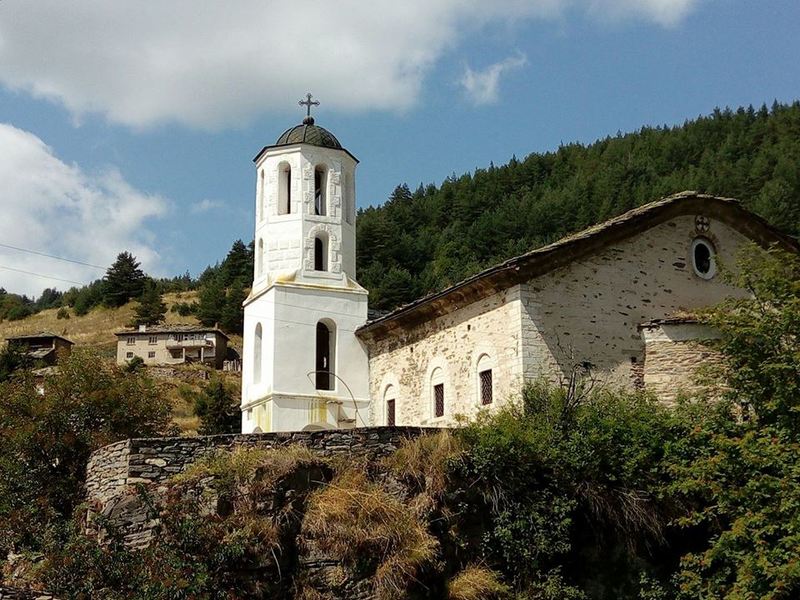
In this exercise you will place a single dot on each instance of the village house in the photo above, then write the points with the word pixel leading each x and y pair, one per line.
pixel 173 345
pixel 44 347
pixel 606 300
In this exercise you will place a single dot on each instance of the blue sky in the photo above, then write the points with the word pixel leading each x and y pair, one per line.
pixel 134 127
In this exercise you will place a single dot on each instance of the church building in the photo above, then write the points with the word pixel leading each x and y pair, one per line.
pixel 614 300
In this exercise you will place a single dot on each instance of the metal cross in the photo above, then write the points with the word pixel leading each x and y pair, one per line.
pixel 308 103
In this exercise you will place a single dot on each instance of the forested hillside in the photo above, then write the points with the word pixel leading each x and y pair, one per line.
pixel 422 241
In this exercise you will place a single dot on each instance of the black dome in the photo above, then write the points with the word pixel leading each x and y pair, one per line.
pixel 308 133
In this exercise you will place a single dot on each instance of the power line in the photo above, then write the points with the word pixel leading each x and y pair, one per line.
pixel 42 276
pixel 77 262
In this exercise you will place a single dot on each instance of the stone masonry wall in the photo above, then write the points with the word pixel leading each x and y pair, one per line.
pixel 590 310
pixel 674 357
pixel 113 469
pixel 7 593
pixel 401 365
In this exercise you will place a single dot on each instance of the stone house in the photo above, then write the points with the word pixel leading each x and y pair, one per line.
pixel 44 346
pixel 173 345
pixel 604 299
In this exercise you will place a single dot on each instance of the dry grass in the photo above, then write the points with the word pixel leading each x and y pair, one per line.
pixel 353 518
pixel 242 466
pixel 426 460
pixel 476 583
pixel 96 328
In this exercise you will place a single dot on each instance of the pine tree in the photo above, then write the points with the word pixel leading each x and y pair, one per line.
pixel 211 302
pixel 238 265
pixel 124 280
pixel 151 309
pixel 232 318
pixel 218 408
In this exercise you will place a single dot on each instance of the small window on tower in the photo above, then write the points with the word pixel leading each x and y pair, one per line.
pixel 260 259
pixel 320 255
pixel 320 184
pixel 284 189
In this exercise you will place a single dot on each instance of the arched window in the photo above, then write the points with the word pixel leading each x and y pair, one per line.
pixel 320 254
pixel 260 197
pixel 320 185
pixel 260 258
pixel 390 404
pixel 284 189
pixel 257 355
pixel 326 346
pixel 703 258
pixel 485 380
pixel 437 392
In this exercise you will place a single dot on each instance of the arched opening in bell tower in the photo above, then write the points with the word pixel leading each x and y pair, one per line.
pixel 325 354
pixel 284 189
pixel 320 254
pixel 320 184
pixel 257 354
pixel 260 258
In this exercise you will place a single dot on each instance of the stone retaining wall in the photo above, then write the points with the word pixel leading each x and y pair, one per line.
pixel 113 469
pixel 7 593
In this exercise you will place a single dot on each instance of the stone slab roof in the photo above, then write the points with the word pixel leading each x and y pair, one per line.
pixel 35 336
pixel 178 328
pixel 560 253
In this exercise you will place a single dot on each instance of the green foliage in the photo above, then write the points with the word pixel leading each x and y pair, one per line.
pixel 761 337
pixel 151 309
pixel 85 298
pixel 124 281
pixel 223 289
pixel 217 405
pixel 211 302
pixel 46 438
pixel 736 468
pixel 548 466
pixel 423 241
pixel 184 309
pixel 12 359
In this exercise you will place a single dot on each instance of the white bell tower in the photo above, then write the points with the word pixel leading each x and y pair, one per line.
pixel 303 367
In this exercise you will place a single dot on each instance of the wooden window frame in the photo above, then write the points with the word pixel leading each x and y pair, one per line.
pixel 438 400
pixel 486 382
pixel 391 412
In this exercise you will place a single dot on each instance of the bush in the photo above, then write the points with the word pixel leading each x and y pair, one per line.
pixel 46 438
pixel 184 309
pixel 217 405
pixel 63 313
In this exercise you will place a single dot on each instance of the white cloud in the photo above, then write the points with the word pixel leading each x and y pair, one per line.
pixel 56 208
pixel 206 205
pixel 211 64
pixel 663 12
pixel 482 86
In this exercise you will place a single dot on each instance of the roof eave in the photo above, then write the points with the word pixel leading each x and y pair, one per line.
pixel 562 252
pixel 273 146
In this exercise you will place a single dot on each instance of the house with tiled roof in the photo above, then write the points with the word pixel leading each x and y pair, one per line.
pixel 173 345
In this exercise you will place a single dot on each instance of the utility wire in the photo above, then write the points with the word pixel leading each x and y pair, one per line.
pixel 77 262
pixel 42 276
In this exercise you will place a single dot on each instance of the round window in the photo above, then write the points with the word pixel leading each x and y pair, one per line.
pixel 703 260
